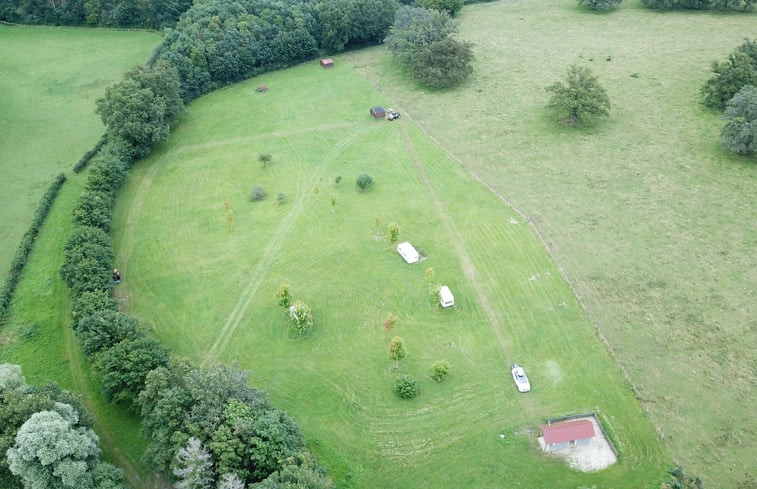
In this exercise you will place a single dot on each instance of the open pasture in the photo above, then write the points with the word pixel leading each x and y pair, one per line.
pixel 649 218
pixel 201 265
pixel 49 81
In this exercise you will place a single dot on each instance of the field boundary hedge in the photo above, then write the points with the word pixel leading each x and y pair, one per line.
pixel 87 157
pixel 26 245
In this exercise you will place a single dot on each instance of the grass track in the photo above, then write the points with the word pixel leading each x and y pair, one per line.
pixel 49 81
pixel 38 336
pixel 649 218
pixel 186 273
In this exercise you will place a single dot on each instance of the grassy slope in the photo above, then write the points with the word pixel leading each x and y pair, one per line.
pixel 52 124
pixel 50 80
pixel 650 219
pixel 209 291
pixel 38 336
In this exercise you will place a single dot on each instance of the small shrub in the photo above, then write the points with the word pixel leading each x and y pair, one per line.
pixel 257 193
pixel 439 370
pixel 429 274
pixel 316 189
pixel 265 159
pixel 300 317
pixel 338 179
pixel 390 322
pixel 393 232
pixel 283 296
pixel 281 198
pixel 364 182
pixel 397 348
pixel 332 199
pixel 230 218
pixel 28 331
pixel 406 387
pixel 433 294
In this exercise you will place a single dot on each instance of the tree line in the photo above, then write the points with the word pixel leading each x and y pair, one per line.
pixel 152 14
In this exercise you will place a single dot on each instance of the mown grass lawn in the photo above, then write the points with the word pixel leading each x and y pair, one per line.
pixel 651 220
pixel 49 81
pixel 201 266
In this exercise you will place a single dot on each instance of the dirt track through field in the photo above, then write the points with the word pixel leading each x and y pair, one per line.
pixel 261 268
pixel 257 275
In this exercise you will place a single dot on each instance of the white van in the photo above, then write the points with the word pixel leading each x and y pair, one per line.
pixel 446 299
pixel 408 252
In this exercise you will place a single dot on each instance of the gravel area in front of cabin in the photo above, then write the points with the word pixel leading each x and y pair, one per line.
pixel 597 455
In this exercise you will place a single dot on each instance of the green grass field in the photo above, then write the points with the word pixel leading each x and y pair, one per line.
pixel 38 336
pixel 649 218
pixel 208 290
pixel 50 80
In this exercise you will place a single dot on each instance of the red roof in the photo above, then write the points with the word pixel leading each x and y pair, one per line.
pixel 567 431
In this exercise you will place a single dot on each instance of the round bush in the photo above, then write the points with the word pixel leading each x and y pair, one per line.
pixel 406 387
pixel 258 193
pixel 364 182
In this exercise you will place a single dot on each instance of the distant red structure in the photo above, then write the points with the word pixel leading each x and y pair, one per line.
pixel 261 88
pixel 327 62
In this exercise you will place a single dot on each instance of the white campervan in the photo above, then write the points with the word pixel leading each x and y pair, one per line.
pixel 408 252
pixel 446 299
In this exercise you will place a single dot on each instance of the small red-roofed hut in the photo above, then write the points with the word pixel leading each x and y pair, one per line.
pixel 327 62
pixel 567 434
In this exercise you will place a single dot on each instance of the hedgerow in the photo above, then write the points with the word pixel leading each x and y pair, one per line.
pixel 26 244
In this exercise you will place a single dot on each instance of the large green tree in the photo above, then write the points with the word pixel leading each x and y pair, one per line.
pixel 141 108
pixel 415 28
pixel 243 433
pixel 106 328
pixel 581 99
pixel 297 475
pixel 731 75
pixel 420 40
pixel 452 7
pixel 125 366
pixel 52 451
pixel 740 132
pixel 194 466
pixel 443 64
pixel 346 23
pixel 600 4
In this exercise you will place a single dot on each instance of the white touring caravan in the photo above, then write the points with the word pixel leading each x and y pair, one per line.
pixel 408 252
pixel 446 299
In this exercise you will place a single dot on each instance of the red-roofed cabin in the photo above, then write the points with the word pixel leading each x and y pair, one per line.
pixel 327 62
pixel 567 434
